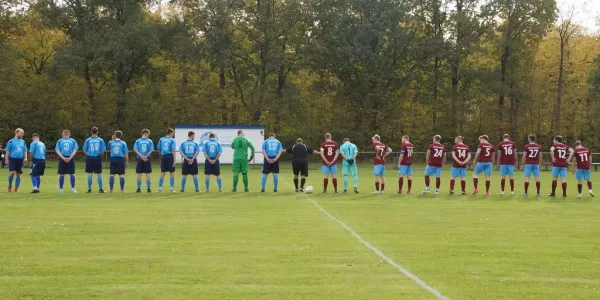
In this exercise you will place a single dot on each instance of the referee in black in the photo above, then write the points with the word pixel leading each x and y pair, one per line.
pixel 300 161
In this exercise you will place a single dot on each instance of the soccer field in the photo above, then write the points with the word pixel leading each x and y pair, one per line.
pixel 282 246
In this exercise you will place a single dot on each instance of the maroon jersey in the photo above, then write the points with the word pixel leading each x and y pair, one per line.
pixel 380 150
pixel 561 153
pixel 407 151
pixel 583 157
pixel 487 150
pixel 436 154
pixel 461 151
pixel 533 152
pixel 329 149
pixel 507 151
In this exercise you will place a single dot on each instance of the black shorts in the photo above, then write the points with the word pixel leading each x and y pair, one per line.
pixel 93 165
pixel 166 164
pixel 143 167
pixel 38 168
pixel 300 167
pixel 187 169
pixel 212 169
pixel 66 168
pixel 270 168
pixel 117 167
pixel 15 165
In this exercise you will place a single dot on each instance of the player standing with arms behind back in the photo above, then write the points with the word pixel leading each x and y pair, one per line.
pixel 583 157
pixel 532 161
pixel 66 149
pixel 461 155
pixel 559 153
pixel 240 146
pixel 329 155
pixel 435 160
pixel 189 151
pixel 143 148
pixel 484 157
pixel 93 148
pixel 167 147
pixel 507 162
pixel 16 154
pixel 381 152
pixel 349 153
pixel 38 153
pixel 405 164
pixel 212 151
pixel 118 161
pixel 271 149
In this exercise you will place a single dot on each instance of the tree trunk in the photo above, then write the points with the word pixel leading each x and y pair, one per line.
pixel 91 96
pixel 121 95
pixel 222 83
pixel 436 71
pixel 559 89
pixel 503 66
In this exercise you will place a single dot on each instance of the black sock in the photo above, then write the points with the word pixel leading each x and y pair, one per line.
pixel 302 182
pixel 296 182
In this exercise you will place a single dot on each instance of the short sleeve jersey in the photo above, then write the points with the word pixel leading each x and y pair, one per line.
pixel 166 145
pixel 38 150
pixel 329 149
pixel 143 146
pixel 533 152
pixel 299 152
pixel 94 146
pixel 461 151
pixel 117 148
pixel 561 154
pixel 380 150
pixel 436 154
pixel 189 148
pixel 507 151
pixel 407 151
pixel 17 148
pixel 66 146
pixel 272 147
pixel 583 157
pixel 487 150
pixel 212 149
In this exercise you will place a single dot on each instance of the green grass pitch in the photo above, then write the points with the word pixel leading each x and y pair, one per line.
pixel 281 246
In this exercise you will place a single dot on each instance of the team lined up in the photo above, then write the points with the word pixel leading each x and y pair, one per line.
pixel 505 156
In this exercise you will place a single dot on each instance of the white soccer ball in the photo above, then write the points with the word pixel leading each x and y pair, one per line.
pixel 309 189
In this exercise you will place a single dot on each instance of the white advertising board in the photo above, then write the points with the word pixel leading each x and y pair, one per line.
pixel 224 134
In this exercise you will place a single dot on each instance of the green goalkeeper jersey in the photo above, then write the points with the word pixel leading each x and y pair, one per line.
pixel 240 147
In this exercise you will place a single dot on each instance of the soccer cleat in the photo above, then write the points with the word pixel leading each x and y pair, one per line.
pixel 324 191
pixel 149 191
pixel 502 193
pixel 197 191
pixel 171 190
pixel 426 191
pixel 110 191
pixel 159 190
pixel 16 190
pixel 262 191
pixel 345 192
pixel 437 192
pixel 246 191
pixel 487 193
pixel 181 191
pixel 538 195
pixel 564 196
pixel 452 192
pixel 89 192
pixel 335 192
pixel 74 191
pixel 101 191
pixel 235 191
pixel 591 194
pixel 220 191
pixel 524 194
pixel 61 191
pixel 9 189
pixel 399 192
pixel 475 192
pixel 300 190
pixel 356 190
pixel 463 193
pixel 376 192
pixel 579 195
pixel 123 192
pixel 138 191
pixel 551 195
pixel 274 191
pixel 35 191
pixel 512 193
pixel 408 192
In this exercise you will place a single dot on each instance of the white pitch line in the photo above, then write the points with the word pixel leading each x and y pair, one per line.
pixel 400 268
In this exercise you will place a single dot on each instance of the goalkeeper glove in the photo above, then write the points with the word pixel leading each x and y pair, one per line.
pixel 251 158
pixel 350 161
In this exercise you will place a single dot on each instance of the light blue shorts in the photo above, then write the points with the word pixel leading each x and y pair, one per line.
pixel 433 171
pixel 379 170
pixel 532 170
pixel 458 172
pixel 327 170
pixel 405 170
pixel 581 174
pixel 559 172
pixel 484 167
pixel 507 170
pixel 346 169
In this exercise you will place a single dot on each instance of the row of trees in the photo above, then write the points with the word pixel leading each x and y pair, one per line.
pixel 300 67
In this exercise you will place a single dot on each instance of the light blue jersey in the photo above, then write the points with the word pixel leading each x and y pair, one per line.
pixel 166 145
pixel 17 148
pixel 272 147
pixel 189 148
pixel 38 150
pixel 94 146
pixel 143 146
pixel 348 149
pixel 66 146
pixel 212 149
pixel 117 148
